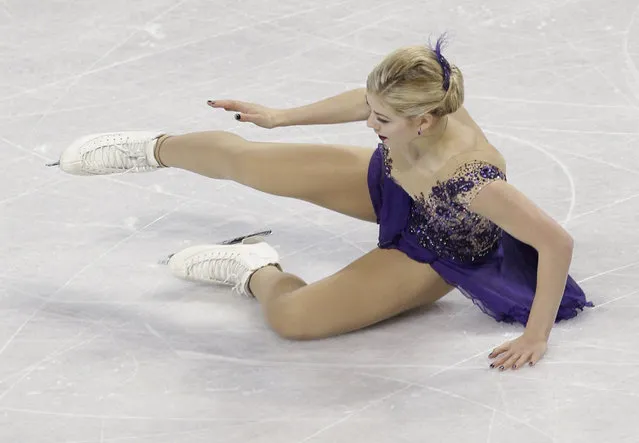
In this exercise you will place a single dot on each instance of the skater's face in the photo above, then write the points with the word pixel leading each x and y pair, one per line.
pixel 395 131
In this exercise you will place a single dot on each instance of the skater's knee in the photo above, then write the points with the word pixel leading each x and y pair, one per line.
pixel 292 320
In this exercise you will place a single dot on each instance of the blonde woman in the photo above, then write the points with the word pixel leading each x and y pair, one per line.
pixel 447 216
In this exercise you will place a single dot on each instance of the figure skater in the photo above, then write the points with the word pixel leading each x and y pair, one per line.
pixel 447 216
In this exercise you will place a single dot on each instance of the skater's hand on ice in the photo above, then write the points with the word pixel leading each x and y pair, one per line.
pixel 519 352
pixel 249 112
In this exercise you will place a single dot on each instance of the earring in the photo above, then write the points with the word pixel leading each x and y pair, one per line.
pixel 419 132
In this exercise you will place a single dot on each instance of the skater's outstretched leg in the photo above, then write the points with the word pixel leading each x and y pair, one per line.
pixel 331 176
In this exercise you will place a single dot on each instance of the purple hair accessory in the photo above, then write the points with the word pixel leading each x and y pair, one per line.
pixel 442 61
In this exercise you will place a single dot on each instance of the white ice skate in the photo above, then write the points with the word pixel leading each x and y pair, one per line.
pixel 112 153
pixel 232 262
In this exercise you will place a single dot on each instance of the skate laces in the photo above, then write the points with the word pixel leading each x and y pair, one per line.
pixel 221 267
pixel 113 156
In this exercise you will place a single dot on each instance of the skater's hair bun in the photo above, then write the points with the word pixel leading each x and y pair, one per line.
pixel 417 80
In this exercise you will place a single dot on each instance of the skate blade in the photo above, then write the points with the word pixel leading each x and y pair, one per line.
pixel 165 260
pixel 244 237
pixel 53 164
pixel 233 241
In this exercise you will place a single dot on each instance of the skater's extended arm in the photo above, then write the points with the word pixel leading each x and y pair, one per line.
pixel 349 106
pixel 346 107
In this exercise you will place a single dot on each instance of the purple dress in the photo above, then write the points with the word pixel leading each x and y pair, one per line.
pixel 489 266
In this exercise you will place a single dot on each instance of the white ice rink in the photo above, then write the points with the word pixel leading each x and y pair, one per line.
pixel 99 343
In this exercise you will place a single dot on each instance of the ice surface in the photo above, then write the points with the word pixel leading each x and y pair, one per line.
pixel 98 343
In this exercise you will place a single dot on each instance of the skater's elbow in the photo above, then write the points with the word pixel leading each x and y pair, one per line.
pixel 556 241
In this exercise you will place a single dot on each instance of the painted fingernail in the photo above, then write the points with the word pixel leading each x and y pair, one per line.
pixel 501 368
pixel 514 366
pixel 238 116
pixel 492 366
pixel 211 102
pixel 531 364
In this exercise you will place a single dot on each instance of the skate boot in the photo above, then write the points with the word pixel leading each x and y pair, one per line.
pixel 112 153
pixel 230 263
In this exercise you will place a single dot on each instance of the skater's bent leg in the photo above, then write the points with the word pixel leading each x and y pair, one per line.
pixel 379 285
pixel 332 176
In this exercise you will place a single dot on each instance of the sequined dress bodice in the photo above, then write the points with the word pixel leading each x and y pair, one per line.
pixel 441 220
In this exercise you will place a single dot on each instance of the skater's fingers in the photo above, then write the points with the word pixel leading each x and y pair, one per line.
pixel 499 350
pixel 523 360
pixel 230 105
